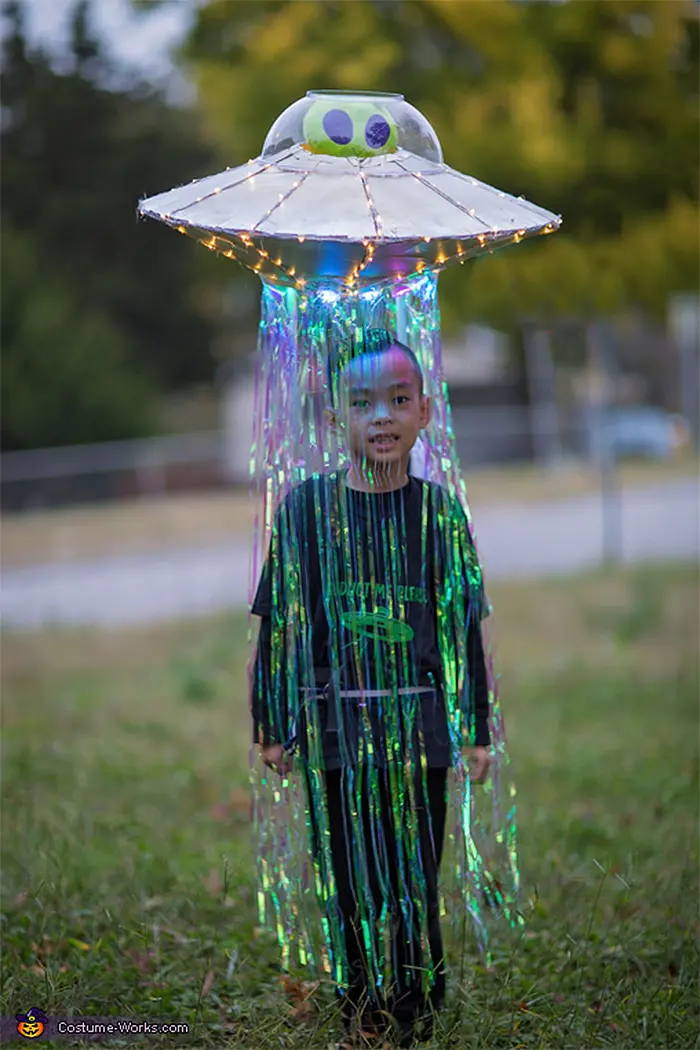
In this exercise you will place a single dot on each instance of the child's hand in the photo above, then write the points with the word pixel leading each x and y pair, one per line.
pixel 277 758
pixel 478 761
pixel 479 764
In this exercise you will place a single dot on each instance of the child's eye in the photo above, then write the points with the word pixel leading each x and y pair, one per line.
pixel 401 397
pixel 360 402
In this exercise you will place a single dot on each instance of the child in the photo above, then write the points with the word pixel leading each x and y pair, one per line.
pixel 370 602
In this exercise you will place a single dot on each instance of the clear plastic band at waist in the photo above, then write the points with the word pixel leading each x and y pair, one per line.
pixel 367 694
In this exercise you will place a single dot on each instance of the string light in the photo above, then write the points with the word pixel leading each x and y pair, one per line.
pixel 263 264
pixel 275 269
pixel 376 218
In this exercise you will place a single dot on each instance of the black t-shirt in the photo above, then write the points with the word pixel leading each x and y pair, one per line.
pixel 381 593
pixel 376 558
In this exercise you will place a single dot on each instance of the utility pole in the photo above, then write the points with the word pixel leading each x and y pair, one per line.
pixel 601 356
pixel 684 326
pixel 541 379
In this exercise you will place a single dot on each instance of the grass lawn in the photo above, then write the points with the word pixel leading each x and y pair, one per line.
pixel 194 519
pixel 127 862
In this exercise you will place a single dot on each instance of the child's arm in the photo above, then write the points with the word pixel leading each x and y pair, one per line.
pixel 268 686
pixel 266 721
pixel 480 759
pixel 477 699
pixel 269 715
pixel 479 681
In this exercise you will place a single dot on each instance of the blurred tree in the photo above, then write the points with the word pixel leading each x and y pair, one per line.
pixel 65 378
pixel 589 109
pixel 99 316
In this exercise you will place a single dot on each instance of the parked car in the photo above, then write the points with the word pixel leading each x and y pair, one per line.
pixel 644 431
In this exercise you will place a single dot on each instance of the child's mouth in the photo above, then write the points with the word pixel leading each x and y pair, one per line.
pixel 383 440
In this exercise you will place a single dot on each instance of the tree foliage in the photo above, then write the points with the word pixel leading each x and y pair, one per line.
pixel 587 108
pixel 99 314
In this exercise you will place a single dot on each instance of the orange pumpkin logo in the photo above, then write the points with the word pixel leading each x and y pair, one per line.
pixel 32 1024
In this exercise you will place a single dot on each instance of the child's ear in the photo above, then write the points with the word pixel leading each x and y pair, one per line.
pixel 426 412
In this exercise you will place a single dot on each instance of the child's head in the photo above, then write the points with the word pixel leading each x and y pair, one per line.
pixel 381 405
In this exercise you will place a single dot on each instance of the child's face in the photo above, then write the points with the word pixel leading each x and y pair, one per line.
pixel 381 411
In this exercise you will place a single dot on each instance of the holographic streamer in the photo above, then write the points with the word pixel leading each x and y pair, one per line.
pixel 307 337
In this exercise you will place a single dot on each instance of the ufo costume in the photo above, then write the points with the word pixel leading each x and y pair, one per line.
pixel 372 663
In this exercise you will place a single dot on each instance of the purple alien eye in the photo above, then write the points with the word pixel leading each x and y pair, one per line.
pixel 377 132
pixel 338 126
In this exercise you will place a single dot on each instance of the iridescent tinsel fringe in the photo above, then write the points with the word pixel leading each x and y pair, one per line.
pixel 305 336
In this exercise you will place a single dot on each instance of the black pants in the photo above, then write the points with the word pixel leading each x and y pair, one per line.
pixel 386 880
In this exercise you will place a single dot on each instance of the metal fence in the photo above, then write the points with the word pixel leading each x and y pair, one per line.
pixel 536 418
pixel 110 471
pixel 140 469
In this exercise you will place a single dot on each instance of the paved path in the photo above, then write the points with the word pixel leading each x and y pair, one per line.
pixel 518 540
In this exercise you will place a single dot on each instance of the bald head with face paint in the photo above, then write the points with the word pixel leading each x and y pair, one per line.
pixel 381 410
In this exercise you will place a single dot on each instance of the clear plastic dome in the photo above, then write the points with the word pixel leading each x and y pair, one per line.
pixel 353 124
